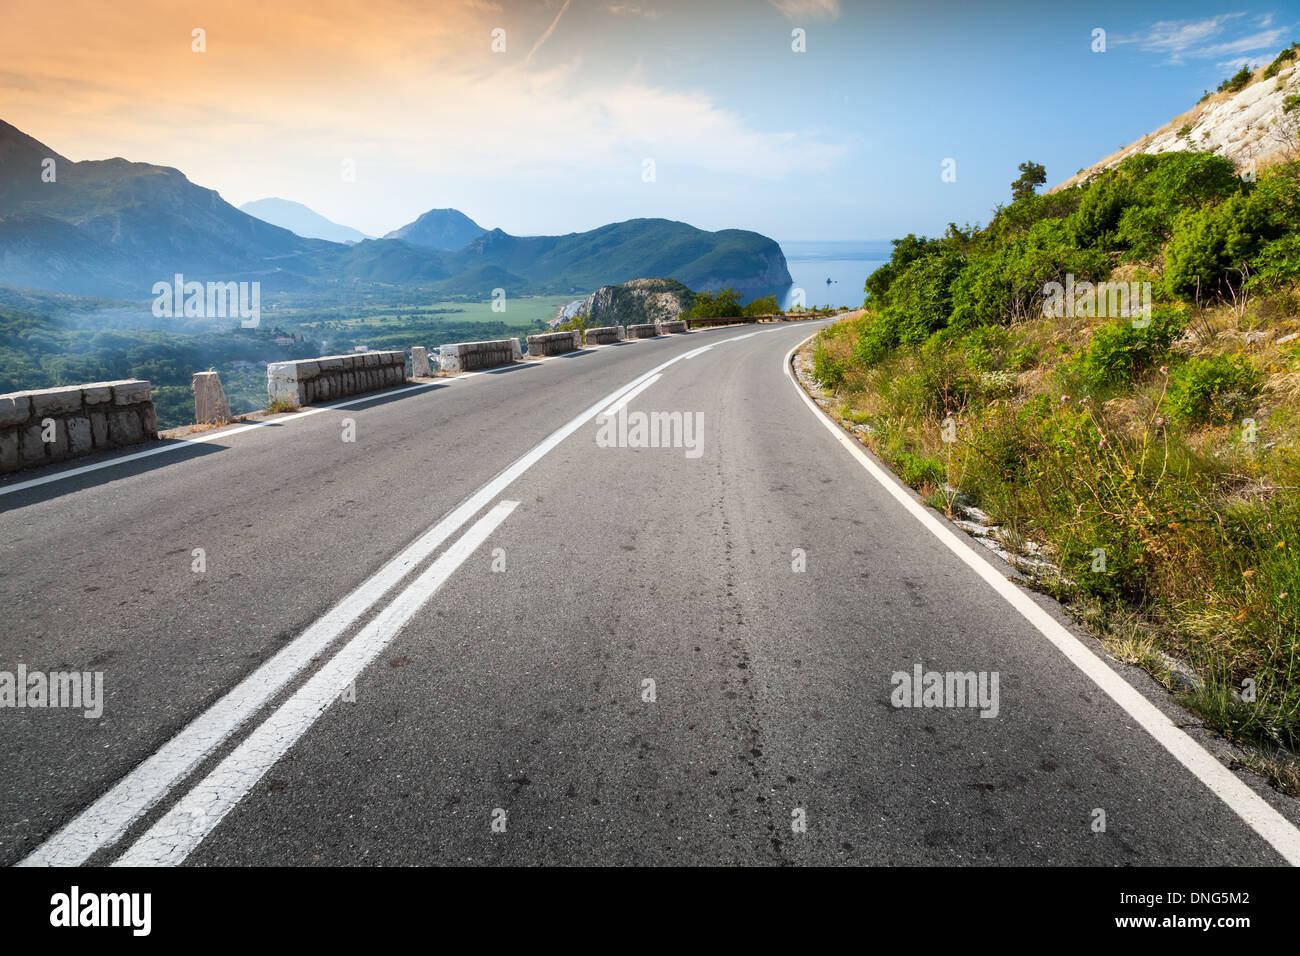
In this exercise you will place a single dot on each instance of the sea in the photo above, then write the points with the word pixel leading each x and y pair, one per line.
pixel 831 272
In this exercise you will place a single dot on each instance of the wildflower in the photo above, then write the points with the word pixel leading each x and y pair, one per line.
pixel 1164 370
pixel 1065 399
pixel 1160 422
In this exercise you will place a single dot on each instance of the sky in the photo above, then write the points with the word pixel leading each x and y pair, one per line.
pixel 561 115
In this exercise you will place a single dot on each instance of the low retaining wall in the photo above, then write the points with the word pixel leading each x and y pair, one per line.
pixel 468 356
pixel 333 376
pixel 554 343
pixel 45 425
pixel 735 320
pixel 605 334
pixel 647 331
pixel 668 328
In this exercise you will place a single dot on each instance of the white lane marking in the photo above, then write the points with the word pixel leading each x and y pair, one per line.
pixel 628 396
pixel 1253 809
pixel 104 821
pixel 175 835
pixel 179 443
pixel 700 351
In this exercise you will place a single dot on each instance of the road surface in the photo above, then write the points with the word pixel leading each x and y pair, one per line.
pixel 487 632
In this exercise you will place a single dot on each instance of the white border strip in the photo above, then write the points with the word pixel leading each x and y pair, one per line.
pixel 178 832
pixel 628 396
pixel 1274 828
pixel 109 817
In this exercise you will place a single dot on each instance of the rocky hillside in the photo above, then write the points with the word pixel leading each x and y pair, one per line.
pixel 1248 125
pixel 632 303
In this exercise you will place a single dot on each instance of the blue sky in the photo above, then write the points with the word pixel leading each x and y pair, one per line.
pixel 845 140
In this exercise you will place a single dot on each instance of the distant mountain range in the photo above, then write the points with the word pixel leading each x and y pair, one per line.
pixel 113 227
pixel 301 220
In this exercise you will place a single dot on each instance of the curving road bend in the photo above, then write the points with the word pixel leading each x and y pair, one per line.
pixel 502 627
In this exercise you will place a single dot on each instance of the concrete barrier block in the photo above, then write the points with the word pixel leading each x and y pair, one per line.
pixel 419 362
pixel 99 429
pixel 124 427
pixel 15 409
pixel 79 440
pixel 31 446
pixel 644 331
pixel 8 451
pixel 554 343
pixel 210 405
pixel 130 392
pixel 604 335
pixel 471 356
pixel 97 394
pixel 671 328
pixel 60 401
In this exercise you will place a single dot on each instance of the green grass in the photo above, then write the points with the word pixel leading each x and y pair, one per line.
pixel 1067 436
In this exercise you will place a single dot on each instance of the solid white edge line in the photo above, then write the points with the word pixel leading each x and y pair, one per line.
pixel 179 831
pixel 1274 828
pixel 112 814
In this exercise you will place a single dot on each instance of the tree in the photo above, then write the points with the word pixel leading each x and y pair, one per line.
pixel 1032 175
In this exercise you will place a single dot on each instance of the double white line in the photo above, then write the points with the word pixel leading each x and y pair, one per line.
pixel 182 828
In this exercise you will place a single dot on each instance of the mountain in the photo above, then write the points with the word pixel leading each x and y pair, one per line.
pixel 114 228
pixel 301 220
pixel 633 303
pixel 1246 121
pixel 622 251
pixel 447 229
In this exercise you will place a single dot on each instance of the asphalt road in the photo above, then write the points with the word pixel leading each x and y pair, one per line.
pixel 479 634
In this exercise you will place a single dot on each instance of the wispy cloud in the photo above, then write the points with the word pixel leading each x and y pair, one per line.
pixel 631 10
pixel 440 128
pixel 547 35
pixel 809 9
pixel 1210 38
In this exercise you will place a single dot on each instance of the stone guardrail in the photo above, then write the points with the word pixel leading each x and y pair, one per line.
pixel 333 376
pixel 646 331
pixel 469 356
pixel 668 328
pixel 554 343
pixel 604 335
pixel 41 426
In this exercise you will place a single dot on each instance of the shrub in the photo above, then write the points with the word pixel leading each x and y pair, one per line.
pixel 917 470
pixel 921 298
pixel 827 370
pixel 1212 390
pixel 1120 350
pixel 876 340
pixel 722 304
pixel 906 251
pixel 1210 245
pixel 1237 81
